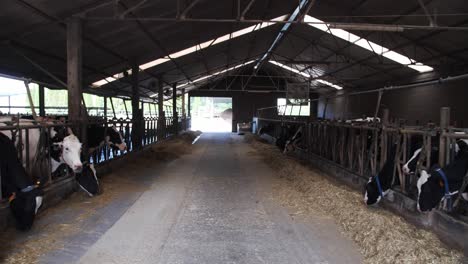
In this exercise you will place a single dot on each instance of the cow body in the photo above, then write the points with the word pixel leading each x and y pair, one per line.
pixel 432 187
pixel 34 135
pixel 25 199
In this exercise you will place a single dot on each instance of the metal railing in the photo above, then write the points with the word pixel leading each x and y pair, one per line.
pixel 363 148
pixel 40 169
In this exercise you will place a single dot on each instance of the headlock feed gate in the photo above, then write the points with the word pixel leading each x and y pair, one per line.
pixel 355 150
pixel 38 164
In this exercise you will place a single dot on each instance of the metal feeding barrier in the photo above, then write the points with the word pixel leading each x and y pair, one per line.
pixel 362 148
pixel 38 165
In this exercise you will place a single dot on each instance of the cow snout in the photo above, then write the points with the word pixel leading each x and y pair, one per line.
pixel 78 167
pixel 122 147
pixel 406 170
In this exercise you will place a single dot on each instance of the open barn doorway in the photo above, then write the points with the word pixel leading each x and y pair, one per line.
pixel 211 114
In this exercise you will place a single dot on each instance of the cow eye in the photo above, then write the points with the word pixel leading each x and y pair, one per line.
pixel 67 149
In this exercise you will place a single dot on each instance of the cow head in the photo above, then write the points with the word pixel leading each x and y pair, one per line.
pixel 71 150
pixel 410 165
pixel 66 148
pixel 88 181
pixel 372 195
pixel 24 207
pixel 430 191
pixel 114 138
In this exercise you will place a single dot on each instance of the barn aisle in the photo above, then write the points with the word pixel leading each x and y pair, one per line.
pixel 214 206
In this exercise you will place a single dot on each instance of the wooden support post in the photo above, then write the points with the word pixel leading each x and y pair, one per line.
pixel 188 105
pixel 183 102
pixel 76 112
pixel 384 138
pixel 385 116
pixel 136 111
pixel 105 108
pixel 175 116
pixel 161 113
pixel 444 124
pixel 41 100
pixel 74 68
pixel 113 109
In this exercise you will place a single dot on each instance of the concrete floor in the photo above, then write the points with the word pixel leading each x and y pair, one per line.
pixel 213 207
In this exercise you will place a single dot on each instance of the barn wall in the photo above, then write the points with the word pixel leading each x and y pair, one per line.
pixel 244 104
pixel 419 103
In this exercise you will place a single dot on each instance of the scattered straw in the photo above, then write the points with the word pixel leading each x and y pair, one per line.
pixel 382 236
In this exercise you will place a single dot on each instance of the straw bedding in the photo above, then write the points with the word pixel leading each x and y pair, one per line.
pixel 381 236
pixel 46 236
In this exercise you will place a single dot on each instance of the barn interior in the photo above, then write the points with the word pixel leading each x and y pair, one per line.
pixel 342 83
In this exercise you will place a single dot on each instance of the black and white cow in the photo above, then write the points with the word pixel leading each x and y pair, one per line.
pixel 379 185
pixel 64 145
pixel 99 135
pixel 66 149
pixel 293 142
pixel 286 133
pixel 416 148
pixel 443 183
pixel 24 197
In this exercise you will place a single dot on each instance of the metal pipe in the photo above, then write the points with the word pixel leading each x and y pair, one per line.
pixel 131 9
pixel 31 103
pixel 360 26
pixel 183 15
pixel 247 8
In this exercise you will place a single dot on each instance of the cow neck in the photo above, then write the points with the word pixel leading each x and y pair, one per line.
pixel 379 186
pixel 448 195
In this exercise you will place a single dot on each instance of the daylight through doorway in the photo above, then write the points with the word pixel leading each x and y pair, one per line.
pixel 211 114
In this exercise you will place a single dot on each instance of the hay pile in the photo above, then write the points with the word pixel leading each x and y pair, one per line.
pixel 172 148
pixel 46 237
pixel 381 236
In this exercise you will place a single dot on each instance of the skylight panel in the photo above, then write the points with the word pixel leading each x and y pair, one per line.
pixel 368 45
pixel 198 47
pixel 329 84
pixel 305 74
pixel 289 68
